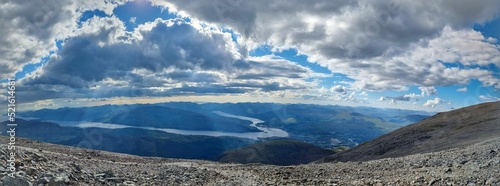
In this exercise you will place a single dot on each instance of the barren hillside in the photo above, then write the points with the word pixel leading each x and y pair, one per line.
pixel 454 129
pixel 46 164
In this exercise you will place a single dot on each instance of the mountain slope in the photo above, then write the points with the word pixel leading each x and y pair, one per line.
pixel 39 163
pixel 129 140
pixel 276 152
pixel 443 131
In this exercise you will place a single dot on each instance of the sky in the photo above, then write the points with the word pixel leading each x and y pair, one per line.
pixel 432 56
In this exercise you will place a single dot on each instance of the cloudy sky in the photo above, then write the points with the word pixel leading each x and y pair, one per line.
pixel 422 55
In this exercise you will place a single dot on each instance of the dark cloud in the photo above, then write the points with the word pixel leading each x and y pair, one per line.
pixel 34 26
pixel 30 30
pixel 210 89
pixel 371 27
pixel 385 39
pixel 189 76
pixel 163 58
pixel 246 16
pixel 272 69
pixel 340 89
pixel 83 61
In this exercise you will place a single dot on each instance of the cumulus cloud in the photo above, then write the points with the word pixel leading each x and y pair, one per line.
pixel 433 102
pixel 425 92
pixel 34 26
pixel 370 41
pixel 382 23
pixel 83 60
pixel 165 57
pixel 340 89
pixel 422 65
pixel 428 91
pixel 412 95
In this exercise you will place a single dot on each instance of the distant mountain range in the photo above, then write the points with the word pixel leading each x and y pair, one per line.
pixel 132 126
pixel 146 116
pixel 129 140
pixel 459 147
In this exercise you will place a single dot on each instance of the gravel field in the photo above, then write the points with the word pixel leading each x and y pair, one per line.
pixel 40 163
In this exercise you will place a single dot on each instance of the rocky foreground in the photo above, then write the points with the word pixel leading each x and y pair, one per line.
pixel 40 163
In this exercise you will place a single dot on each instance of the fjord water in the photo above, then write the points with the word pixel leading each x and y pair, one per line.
pixel 266 132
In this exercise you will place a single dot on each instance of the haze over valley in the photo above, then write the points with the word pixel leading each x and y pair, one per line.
pixel 175 129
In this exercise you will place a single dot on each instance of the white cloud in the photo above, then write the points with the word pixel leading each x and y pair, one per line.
pixel 428 91
pixel 132 20
pixel 33 28
pixel 339 88
pixel 489 98
pixel 162 58
pixel 425 92
pixel 370 41
pixel 422 65
pixel 464 89
pixel 433 102
pixel 412 95
pixel 467 47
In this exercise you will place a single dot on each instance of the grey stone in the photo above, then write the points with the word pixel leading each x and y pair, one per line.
pixel 7 181
pixel 31 171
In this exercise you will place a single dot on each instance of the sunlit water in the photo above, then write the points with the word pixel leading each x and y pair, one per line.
pixel 265 131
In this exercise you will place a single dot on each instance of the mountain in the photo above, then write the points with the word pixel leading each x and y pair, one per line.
pixel 323 126
pixel 397 116
pixel 454 129
pixel 38 163
pixel 146 115
pixel 96 113
pixel 165 117
pixel 276 152
pixel 129 140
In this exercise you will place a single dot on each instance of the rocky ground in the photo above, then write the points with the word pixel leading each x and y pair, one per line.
pixel 47 164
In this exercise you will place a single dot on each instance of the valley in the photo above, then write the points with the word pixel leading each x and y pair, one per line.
pixel 202 131
pixel 464 153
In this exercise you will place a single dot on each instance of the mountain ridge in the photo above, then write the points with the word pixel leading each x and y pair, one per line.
pixel 443 131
